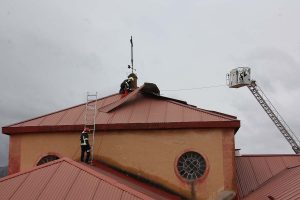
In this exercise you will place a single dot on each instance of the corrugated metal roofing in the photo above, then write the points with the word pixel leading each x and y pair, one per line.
pixel 65 179
pixel 135 111
pixel 285 185
pixel 150 189
pixel 255 170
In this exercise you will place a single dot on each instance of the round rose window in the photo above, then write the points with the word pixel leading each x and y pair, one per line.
pixel 191 166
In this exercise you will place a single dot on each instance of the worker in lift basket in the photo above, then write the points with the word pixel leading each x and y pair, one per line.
pixel 126 86
pixel 85 146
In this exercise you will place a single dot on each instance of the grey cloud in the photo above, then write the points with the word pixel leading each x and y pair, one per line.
pixel 273 67
pixel 53 52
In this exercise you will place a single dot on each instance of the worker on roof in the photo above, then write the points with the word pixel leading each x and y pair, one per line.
pixel 85 146
pixel 126 85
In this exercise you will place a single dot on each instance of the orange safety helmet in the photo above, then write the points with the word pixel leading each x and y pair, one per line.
pixel 85 130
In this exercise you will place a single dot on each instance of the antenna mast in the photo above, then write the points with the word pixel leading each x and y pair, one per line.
pixel 131 42
pixel 131 53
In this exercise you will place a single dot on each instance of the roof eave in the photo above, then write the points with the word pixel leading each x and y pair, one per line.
pixel 235 124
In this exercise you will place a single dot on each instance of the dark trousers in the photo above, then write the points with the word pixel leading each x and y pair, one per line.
pixel 85 148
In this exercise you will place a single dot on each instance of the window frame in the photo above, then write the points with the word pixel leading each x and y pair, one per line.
pixel 197 180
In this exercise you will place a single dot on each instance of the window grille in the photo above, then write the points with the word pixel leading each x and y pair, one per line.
pixel 46 159
pixel 191 166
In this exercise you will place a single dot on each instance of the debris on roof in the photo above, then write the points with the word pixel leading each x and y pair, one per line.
pixel 151 88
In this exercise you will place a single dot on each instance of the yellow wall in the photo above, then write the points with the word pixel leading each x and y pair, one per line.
pixel 150 154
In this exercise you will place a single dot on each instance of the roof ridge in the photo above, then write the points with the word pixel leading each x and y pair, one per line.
pixel 110 107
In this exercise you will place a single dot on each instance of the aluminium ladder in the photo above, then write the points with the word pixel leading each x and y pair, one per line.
pixel 90 117
pixel 275 116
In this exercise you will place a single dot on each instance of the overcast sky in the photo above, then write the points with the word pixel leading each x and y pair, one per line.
pixel 53 52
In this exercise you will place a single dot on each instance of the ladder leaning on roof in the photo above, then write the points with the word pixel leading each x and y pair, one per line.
pixel 90 117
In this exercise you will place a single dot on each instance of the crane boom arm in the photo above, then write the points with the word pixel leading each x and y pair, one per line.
pixel 275 116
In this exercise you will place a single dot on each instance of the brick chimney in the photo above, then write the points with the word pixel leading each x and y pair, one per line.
pixel 134 83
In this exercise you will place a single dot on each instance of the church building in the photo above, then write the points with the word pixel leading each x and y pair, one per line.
pixel 182 149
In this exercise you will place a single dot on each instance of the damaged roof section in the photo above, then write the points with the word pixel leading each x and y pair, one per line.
pixel 143 108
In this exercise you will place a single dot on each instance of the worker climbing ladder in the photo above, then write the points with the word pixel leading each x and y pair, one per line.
pixel 90 117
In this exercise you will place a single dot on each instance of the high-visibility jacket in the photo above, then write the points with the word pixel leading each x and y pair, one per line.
pixel 125 86
pixel 84 139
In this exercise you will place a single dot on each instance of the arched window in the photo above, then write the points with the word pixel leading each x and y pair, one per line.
pixel 46 159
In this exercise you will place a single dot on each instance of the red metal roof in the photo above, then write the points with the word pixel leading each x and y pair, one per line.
pixel 253 171
pixel 135 111
pixel 66 179
pixel 285 185
pixel 153 190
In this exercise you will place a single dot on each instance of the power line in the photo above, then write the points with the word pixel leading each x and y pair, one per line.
pixel 198 88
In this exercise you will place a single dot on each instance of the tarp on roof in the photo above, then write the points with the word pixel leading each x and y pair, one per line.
pixel 135 111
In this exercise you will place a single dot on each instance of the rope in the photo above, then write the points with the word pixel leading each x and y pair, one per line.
pixel 198 88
